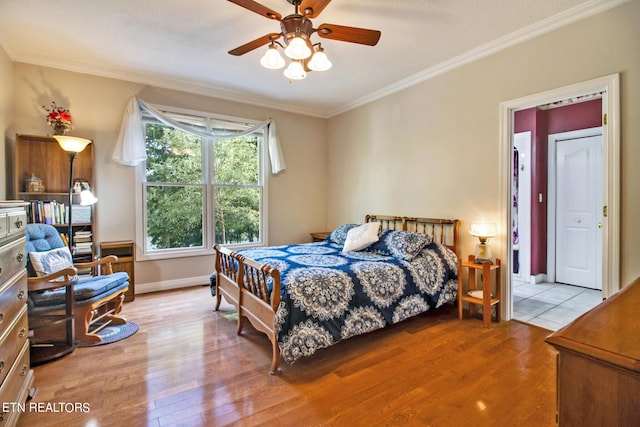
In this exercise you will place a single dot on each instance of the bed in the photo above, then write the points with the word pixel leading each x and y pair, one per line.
pixel 327 294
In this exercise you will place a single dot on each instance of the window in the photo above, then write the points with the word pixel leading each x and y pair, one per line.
pixel 198 190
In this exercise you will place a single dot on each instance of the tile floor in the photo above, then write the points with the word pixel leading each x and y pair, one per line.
pixel 551 305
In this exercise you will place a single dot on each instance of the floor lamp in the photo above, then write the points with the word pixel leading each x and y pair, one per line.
pixel 72 146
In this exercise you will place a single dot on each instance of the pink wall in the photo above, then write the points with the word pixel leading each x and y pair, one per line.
pixel 543 123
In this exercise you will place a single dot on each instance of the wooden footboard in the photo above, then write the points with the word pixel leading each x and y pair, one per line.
pixel 245 283
pixel 226 276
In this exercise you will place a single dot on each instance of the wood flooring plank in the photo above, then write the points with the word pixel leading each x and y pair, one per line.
pixel 187 367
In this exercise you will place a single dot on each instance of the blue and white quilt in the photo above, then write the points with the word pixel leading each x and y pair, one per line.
pixel 329 295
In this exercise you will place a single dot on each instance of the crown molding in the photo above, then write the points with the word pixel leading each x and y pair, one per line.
pixel 549 24
pixel 163 82
pixel 567 17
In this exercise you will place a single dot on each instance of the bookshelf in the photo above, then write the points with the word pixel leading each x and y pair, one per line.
pixel 41 156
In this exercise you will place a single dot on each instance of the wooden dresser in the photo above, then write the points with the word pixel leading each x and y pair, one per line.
pixel 16 377
pixel 599 364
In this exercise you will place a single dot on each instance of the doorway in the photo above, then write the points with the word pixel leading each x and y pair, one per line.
pixel 572 281
pixel 607 87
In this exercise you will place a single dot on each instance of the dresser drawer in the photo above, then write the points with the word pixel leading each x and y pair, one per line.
pixel 13 298
pixel 15 387
pixel 11 341
pixel 16 222
pixel 3 225
pixel 13 258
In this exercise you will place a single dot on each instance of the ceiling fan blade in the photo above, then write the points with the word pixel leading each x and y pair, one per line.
pixel 314 7
pixel 258 8
pixel 349 34
pixel 248 47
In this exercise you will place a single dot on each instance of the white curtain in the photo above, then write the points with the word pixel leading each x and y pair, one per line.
pixel 130 147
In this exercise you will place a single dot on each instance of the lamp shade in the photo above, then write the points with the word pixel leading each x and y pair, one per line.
pixel 319 61
pixel 72 143
pixel 297 49
pixel 295 71
pixel 483 229
pixel 272 59
pixel 87 198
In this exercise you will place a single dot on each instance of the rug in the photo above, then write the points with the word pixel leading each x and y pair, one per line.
pixel 114 333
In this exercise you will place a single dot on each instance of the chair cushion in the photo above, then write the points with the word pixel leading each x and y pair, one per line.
pixel 86 289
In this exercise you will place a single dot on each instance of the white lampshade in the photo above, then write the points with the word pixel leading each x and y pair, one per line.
pixel 72 143
pixel 272 59
pixel 319 61
pixel 295 71
pixel 87 198
pixel 297 49
pixel 483 229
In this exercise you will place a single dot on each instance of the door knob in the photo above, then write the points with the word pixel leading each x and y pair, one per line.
pixel 599 225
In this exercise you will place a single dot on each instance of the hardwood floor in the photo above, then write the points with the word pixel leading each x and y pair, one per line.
pixel 187 367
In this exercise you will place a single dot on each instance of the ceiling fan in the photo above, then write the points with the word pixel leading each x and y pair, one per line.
pixel 296 30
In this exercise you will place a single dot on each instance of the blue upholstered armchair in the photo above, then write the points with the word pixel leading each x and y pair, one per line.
pixel 98 299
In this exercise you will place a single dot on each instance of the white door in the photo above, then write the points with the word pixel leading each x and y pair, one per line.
pixel 579 211
pixel 521 207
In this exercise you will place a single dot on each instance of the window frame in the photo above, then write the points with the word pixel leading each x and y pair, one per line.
pixel 207 182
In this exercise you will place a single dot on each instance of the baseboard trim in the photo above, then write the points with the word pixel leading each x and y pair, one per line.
pixel 166 285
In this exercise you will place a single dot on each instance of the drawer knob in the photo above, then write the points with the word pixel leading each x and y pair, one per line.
pixel 24 370
pixel 22 333
pixel 1 366
pixel 1 317
pixel 19 223
pixel 20 257
pixel 21 294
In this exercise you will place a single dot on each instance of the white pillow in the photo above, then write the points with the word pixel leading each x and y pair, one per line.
pixel 48 262
pixel 361 237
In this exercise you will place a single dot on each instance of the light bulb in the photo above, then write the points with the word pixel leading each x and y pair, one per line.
pixel 295 71
pixel 272 59
pixel 297 49
pixel 319 61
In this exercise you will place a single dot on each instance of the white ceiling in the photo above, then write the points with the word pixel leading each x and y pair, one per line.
pixel 183 44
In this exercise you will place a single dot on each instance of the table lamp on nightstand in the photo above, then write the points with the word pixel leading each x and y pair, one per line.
pixel 483 231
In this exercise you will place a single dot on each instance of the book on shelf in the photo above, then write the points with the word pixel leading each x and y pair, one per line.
pixel 84 248
pixel 46 212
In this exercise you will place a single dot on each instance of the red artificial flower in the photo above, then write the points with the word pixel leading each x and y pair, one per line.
pixel 58 117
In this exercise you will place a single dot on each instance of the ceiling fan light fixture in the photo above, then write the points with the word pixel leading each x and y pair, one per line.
pixel 272 58
pixel 295 71
pixel 319 61
pixel 297 48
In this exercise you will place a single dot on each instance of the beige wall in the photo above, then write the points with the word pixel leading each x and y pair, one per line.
pixel 432 149
pixel 6 103
pixel 296 196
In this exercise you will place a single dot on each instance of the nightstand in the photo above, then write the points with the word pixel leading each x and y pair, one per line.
pixel 319 236
pixel 475 296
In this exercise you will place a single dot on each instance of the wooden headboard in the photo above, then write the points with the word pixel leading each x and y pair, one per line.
pixel 444 231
